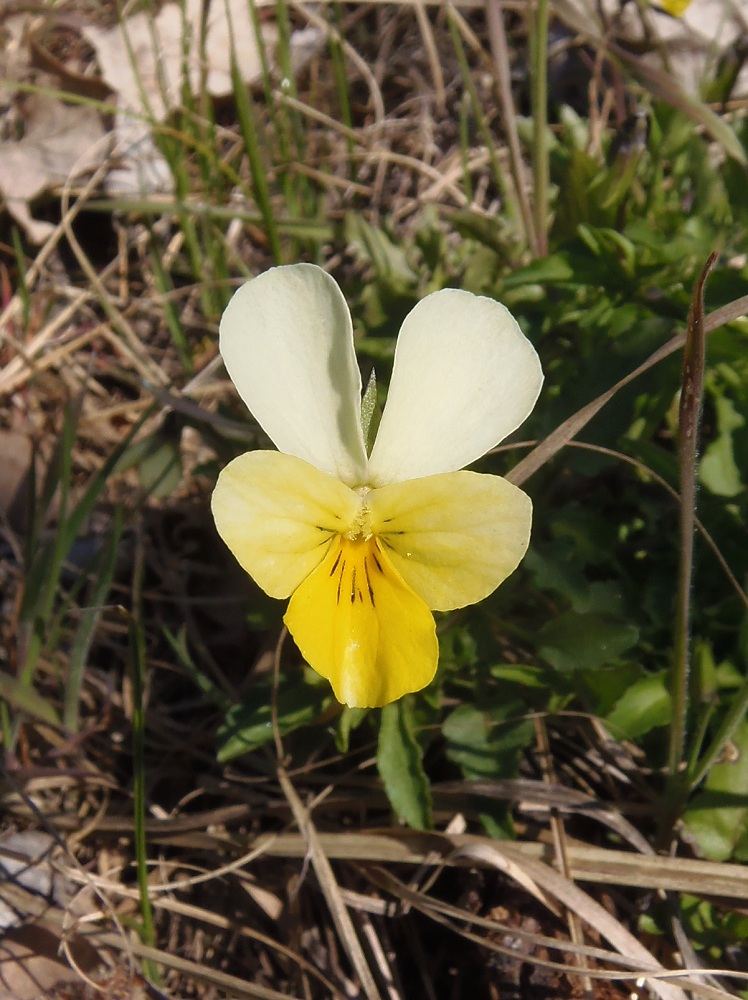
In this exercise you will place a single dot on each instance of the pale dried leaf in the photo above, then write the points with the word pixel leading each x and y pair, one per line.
pixel 148 61
pixel 15 462
pixel 141 60
pixel 35 901
pixel 61 141
pixel 230 27
pixel 142 168
pixel 31 967
pixel 268 901
pixel 14 57
pixel 26 863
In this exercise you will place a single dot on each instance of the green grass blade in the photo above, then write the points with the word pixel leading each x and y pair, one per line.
pixel 539 86
pixel 138 676
pixel 736 713
pixel 103 574
pixel 164 285
pixel 23 698
pixel 480 118
pixel 43 573
pixel 341 82
pixel 249 131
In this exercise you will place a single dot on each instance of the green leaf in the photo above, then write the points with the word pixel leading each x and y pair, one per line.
pixel 24 698
pixel 585 642
pixel 546 271
pixel 400 765
pixel 643 706
pixel 161 469
pixel 249 725
pixel 526 675
pixel 577 204
pixel 104 567
pixel 728 418
pixel 719 471
pixel 349 720
pixel 716 817
pixel 485 744
pixel 388 259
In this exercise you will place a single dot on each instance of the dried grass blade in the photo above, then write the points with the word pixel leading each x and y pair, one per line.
pixel 213 919
pixel 569 429
pixel 231 985
pixel 591 864
pixel 663 86
pixel 330 888
pixel 492 857
pixel 595 915
pixel 658 82
pixel 56 920
pixel 464 923
pixel 618 967
pixel 542 795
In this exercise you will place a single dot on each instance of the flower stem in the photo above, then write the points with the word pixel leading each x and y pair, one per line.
pixel 689 418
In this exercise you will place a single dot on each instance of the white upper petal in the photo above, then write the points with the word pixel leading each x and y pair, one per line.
pixel 464 377
pixel 287 342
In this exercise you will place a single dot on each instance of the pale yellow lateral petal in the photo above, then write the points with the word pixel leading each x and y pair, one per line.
pixel 358 624
pixel 454 537
pixel 278 515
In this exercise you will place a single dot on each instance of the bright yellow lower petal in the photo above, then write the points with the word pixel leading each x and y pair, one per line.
pixel 454 537
pixel 358 624
pixel 278 515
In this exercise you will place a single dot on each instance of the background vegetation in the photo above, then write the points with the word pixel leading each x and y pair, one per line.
pixel 563 812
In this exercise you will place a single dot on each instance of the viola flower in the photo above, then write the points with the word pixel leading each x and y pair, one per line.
pixel 367 546
pixel 676 8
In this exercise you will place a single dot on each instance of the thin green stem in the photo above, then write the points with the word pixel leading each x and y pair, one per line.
pixel 689 419
pixel 692 392
pixel 465 149
pixel 250 134
pixel 341 83
pixel 539 101
pixel 735 715
pixel 43 575
pixel 138 677
pixel 102 576
pixel 165 286
pixel 480 119
pixel 500 51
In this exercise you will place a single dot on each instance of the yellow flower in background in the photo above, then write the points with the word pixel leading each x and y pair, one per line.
pixel 675 7
pixel 366 546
